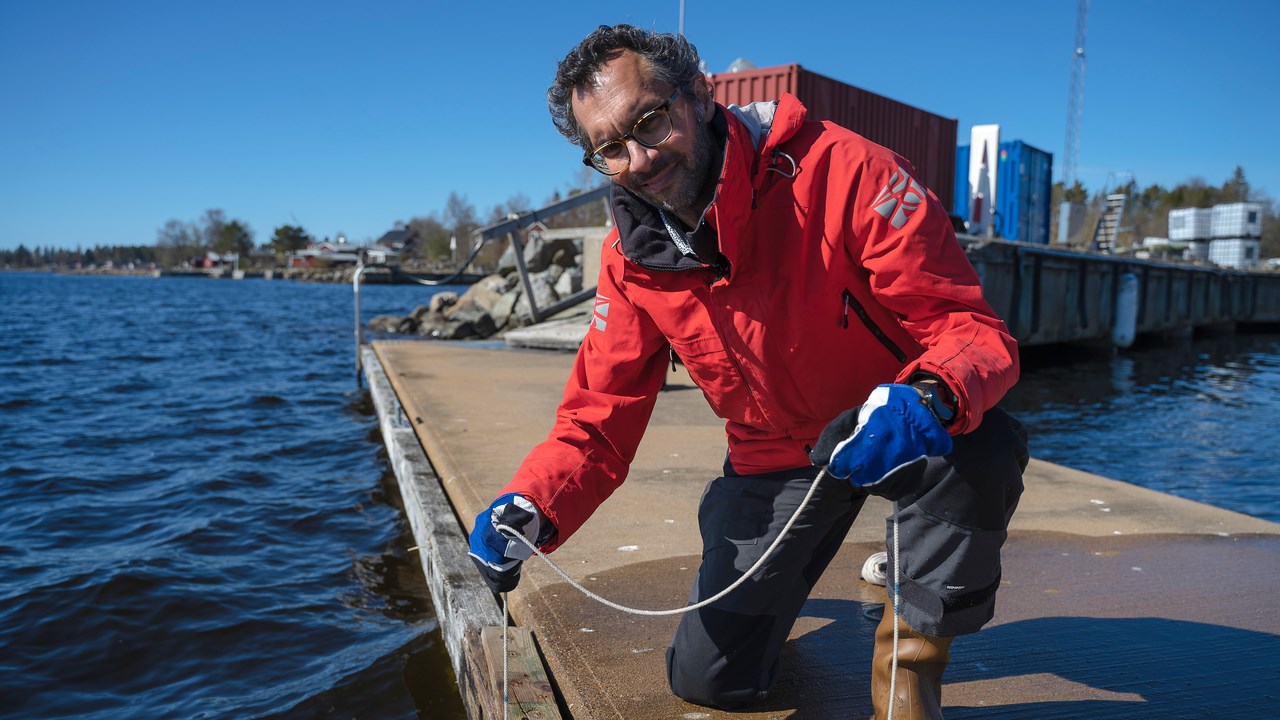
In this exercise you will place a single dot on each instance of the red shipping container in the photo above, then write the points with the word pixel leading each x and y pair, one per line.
pixel 925 139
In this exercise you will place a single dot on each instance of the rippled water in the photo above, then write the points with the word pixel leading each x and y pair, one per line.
pixel 195 516
pixel 1197 419
pixel 197 519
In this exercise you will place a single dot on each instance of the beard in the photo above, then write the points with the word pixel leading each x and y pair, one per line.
pixel 693 171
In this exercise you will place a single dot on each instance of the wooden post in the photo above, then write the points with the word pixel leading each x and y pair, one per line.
pixel 530 696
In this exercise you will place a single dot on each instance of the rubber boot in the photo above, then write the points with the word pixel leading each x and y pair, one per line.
pixel 921 661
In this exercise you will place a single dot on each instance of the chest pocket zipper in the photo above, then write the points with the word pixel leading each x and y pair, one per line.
pixel 851 302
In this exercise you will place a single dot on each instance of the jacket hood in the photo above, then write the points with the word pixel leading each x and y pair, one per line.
pixel 769 124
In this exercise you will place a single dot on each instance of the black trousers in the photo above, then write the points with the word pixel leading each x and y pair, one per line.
pixel 726 655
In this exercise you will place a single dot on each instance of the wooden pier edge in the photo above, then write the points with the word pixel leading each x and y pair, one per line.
pixel 463 603
pixel 529 690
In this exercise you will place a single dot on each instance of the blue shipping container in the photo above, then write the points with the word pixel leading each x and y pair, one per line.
pixel 1024 187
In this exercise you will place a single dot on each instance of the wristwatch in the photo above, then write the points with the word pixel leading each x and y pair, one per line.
pixel 932 395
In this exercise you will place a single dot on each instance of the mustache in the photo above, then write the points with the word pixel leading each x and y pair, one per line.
pixel 640 179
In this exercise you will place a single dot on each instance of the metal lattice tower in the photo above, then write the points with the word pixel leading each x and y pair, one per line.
pixel 1075 98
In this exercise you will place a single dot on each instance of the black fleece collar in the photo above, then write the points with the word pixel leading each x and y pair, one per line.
pixel 644 236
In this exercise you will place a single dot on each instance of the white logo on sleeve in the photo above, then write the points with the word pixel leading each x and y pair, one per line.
pixel 899 198
pixel 599 318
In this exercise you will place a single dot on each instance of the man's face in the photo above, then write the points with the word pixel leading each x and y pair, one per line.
pixel 673 175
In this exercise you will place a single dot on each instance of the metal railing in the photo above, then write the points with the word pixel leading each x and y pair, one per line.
pixel 355 287
pixel 510 228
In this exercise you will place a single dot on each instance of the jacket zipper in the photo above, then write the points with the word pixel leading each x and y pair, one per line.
pixel 851 302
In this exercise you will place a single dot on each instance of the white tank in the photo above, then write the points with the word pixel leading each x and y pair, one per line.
pixel 1236 220
pixel 1239 253
pixel 1190 223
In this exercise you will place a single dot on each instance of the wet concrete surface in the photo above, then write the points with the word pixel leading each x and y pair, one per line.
pixel 1161 626
pixel 1117 602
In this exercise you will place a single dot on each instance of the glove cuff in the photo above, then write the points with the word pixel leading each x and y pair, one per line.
pixel 518 513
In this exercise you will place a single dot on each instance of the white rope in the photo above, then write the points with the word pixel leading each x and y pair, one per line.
pixel 512 532
pixel 506 697
pixel 688 608
pixel 893 669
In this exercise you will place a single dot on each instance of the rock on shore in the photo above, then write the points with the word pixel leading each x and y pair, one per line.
pixel 496 303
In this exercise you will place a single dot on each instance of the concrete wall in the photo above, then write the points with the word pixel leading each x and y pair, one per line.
pixel 1048 295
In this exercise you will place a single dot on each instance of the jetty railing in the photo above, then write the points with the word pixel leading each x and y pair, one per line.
pixel 355 289
pixel 510 228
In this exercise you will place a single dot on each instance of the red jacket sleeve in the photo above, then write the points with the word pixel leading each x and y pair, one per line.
pixel 607 402
pixel 919 271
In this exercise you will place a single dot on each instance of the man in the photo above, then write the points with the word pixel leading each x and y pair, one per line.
pixel 817 295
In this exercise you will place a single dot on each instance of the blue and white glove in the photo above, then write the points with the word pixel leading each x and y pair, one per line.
pixel 497 555
pixel 876 446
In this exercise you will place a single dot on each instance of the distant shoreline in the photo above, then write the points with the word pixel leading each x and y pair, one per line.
pixel 139 272
pixel 136 272
pixel 373 275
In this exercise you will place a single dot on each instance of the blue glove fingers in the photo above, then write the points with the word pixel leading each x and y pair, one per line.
pixel 894 429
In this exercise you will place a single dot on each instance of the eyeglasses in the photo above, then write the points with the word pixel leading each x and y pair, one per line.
pixel 651 130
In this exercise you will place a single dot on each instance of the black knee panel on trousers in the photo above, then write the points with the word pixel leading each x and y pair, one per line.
pixel 979 483
pixel 699 671
pixel 727 655
pixel 951 533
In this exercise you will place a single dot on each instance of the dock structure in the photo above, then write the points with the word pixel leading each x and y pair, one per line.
pixel 1048 295
pixel 1117 601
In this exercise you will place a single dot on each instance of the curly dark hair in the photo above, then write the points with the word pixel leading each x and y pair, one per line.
pixel 672 59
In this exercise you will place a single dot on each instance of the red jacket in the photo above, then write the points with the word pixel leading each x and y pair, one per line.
pixel 834 275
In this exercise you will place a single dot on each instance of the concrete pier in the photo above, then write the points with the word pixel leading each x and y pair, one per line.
pixel 1117 601
pixel 1049 295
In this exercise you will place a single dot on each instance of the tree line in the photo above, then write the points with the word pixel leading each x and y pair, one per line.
pixel 443 237
pixel 51 257
pixel 1148 209
pixel 176 242
pixel 439 232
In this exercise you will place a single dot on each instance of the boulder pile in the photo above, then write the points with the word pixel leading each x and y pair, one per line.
pixel 496 303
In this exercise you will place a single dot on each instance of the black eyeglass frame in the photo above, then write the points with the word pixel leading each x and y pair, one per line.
pixel 664 108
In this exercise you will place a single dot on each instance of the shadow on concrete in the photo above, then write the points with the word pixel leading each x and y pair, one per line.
pixel 1047 668
pixel 1122 668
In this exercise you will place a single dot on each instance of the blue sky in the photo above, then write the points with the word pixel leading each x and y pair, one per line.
pixel 118 116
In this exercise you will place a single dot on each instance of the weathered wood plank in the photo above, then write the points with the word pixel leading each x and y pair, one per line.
pixel 463 603
pixel 529 691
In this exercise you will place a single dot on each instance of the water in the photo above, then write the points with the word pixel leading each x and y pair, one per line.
pixel 1195 418
pixel 197 519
